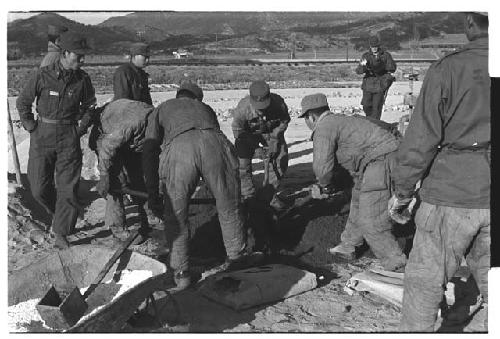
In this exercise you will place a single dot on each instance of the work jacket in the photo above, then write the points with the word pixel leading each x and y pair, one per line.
pixel 350 141
pixel 130 82
pixel 277 112
pixel 169 120
pixel 447 143
pixel 376 71
pixel 122 124
pixel 60 94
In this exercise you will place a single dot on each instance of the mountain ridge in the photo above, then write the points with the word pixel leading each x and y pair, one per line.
pixel 238 32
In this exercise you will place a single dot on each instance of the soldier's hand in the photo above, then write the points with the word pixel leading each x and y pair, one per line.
pixel 255 125
pixel 317 192
pixel 363 62
pixel 30 125
pixel 103 185
pixel 398 209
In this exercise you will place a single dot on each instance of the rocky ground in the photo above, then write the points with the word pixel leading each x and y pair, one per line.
pixel 303 238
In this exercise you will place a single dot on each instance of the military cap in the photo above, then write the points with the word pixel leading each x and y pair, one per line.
pixel 56 30
pixel 260 95
pixel 139 48
pixel 74 42
pixel 192 88
pixel 312 101
pixel 374 41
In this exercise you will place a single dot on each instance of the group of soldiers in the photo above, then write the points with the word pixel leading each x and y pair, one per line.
pixel 165 150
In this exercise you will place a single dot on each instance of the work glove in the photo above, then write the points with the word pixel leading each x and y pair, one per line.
pixel 318 192
pixel 255 125
pixel 273 149
pixel 103 185
pixel 398 209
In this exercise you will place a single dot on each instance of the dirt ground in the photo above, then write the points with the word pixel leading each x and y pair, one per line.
pixel 302 239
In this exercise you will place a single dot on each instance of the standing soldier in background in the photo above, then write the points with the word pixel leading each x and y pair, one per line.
pixel 376 65
pixel 64 94
pixel 130 81
pixel 447 147
pixel 53 50
pixel 261 118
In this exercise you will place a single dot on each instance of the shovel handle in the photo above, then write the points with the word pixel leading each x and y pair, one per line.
pixel 110 263
pixel 266 172
pixel 298 203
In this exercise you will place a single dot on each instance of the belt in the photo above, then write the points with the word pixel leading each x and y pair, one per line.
pixel 57 121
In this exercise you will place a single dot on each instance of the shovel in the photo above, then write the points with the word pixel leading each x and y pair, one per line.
pixel 62 308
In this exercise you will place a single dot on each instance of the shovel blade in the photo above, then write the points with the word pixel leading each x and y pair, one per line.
pixel 60 309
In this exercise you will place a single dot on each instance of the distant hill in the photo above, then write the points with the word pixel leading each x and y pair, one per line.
pixel 278 31
pixel 203 32
pixel 30 35
pixel 230 23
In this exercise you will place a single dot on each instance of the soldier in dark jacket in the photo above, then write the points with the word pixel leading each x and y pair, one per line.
pixel 260 119
pixel 53 49
pixel 376 65
pixel 119 147
pixel 192 146
pixel 64 95
pixel 447 148
pixel 130 81
pixel 363 146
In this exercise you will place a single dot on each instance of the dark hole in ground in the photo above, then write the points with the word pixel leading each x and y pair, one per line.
pixel 308 232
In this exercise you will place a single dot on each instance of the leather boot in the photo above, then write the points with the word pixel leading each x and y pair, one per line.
pixel 61 242
pixel 343 251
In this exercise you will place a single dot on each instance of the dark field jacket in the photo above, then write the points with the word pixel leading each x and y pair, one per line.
pixel 447 143
pixel 130 82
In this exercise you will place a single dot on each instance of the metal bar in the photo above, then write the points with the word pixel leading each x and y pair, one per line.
pixel 13 148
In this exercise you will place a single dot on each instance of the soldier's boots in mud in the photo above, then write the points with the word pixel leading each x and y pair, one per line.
pixel 395 263
pixel 122 233
pixel 343 251
pixel 246 260
pixel 346 252
pixel 182 280
pixel 61 243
